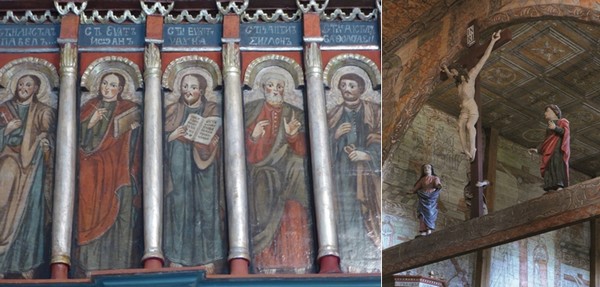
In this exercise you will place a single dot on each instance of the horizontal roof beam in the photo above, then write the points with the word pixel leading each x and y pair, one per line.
pixel 574 204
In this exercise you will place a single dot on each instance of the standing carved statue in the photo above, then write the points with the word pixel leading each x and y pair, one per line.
pixel 555 150
pixel 465 82
pixel 26 135
pixel 428 189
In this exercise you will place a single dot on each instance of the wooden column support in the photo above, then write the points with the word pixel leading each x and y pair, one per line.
pixel 574 204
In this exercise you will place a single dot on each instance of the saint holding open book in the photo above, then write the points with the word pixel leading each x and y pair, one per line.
pixel 193 188
pixel 201 130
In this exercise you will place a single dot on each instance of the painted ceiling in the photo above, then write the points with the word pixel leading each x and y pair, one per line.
pixel 546 62
pixel 404 19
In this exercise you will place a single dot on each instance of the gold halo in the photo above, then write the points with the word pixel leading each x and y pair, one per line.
pixel 44 70
pixel 103 65
pixel 184 64
pixel 360 61
pixel 286 63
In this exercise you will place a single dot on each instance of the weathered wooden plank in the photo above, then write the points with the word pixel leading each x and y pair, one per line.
pixel 491 155
pixel 595 252
pixel 549 212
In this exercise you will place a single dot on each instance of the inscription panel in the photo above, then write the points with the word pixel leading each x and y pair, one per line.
pixel 30 35
pixel 190 35
pixel 286 35
pixel 114 35
pixel 350 33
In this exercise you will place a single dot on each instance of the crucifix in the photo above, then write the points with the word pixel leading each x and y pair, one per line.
pixel 465 72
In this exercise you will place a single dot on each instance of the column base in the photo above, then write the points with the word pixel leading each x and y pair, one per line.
pixel 153 263
pixel 59 271
pixel 238 266
pixel 329 264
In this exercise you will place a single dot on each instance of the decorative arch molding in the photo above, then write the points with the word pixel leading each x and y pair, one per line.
pixel 284 62
pixel 533 13
pixel 411 104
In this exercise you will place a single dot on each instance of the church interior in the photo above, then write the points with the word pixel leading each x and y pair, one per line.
pixel 190 143
pixel 295 213
pixel 515 233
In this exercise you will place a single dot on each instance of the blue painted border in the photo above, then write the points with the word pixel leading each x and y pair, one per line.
pixel 198 278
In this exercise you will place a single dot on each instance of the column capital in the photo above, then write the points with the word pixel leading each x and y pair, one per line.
pixel 68 58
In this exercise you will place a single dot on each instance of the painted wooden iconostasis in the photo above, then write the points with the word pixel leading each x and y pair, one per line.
pixel 232 138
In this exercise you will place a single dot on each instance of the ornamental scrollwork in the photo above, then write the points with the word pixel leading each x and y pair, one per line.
pixel 110 17
pixel 185 16
pixel 312 5
pixel 158 6
pixel 10 17
pixel 233 7
pixel 279 14
pixel 70 7
pixel 356 13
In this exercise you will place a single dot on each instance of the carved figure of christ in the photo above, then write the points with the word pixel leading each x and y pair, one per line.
pixel 470 135
pixel 469 112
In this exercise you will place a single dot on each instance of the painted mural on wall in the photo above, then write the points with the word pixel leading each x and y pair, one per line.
pixel 27 139
pixel 556 258
pixel 457 271
pixel 354 121
pixel 194 204
pixel 109 215
pixel 430 139
pixel 280 202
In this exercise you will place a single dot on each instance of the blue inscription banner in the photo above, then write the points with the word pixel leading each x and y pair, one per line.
pixel 281 35
pixel 338 33
pixel 29 35
pixel 112 35
pixel 191 35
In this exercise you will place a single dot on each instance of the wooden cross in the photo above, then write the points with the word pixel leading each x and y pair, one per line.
pixel 469 60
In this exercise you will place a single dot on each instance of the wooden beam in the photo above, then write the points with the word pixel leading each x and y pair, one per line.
pixel 483 268
pixel 595 252
pixel 574 204
pixel 491 156
pixel 476 174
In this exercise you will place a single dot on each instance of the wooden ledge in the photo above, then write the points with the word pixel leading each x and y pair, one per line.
pixel 572 205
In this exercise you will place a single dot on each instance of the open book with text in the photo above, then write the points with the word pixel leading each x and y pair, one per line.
pixel 200 129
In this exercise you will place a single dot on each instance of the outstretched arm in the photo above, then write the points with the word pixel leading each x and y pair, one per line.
pixel 444 69
pixel 475 71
